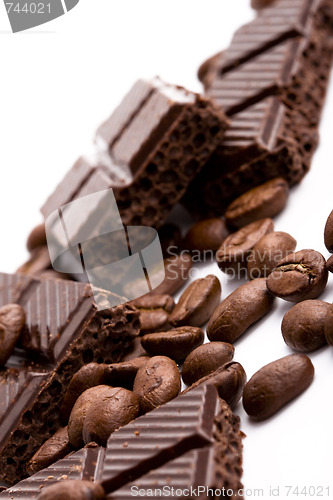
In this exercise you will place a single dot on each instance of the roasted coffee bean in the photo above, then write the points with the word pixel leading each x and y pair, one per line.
pixel 37 237
pixel 197 303
pixel 114 407
pixel 176 343
pixel 171 239
pixel 99 411
pixel 303 326
pixel 177 270
pixel 262 201
pixel 229 381
pixel 55 448
pixel 12 319
pixel 233 253
pixel 72 489
pixel 329 264
pixel 268 252
pixel 328 328
pixel 206 235
pixel 277 383
pixel 154 311
pixel 205 359
pixel 89 375
pixel 300 276
pixel 123 374
pixel 38 262
pixel 328 233
pixel 243 307
pixel 157 382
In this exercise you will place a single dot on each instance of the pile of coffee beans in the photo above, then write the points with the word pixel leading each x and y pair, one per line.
pixel 171 348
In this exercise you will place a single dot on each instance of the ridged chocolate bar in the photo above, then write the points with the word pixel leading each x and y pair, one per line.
pixel 180 446
pixel 264 141
pixel 148 151
pixel 63 331
pixel 286 52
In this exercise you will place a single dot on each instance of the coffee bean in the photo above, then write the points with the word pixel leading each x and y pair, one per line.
pixel 329 264
pixel 37 237
pixel 73 489
pixel 176 343
pixel 114 407
pixel 55 448
pixel 277 383
pixel 157 382
pixel 243 307
pixel 38 262
pixel 268 252
pixel 300 276
pixel 12 319
pixel 206 235
pixel 107 408
pixel 229 381
pixel 123 374
pixel 328 233
pixel 262 201
pixel 89 375
pixel 328 328
pixel 303 326
pixel 154 311
pixel 177 270
pixel 233 253
pixel 170 238
pixel 205 359
pixel 197 303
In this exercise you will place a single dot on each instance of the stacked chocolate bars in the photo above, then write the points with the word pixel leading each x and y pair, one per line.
pixel 162 145
pixel 271 81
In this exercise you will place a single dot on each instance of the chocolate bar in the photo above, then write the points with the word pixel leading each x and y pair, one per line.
pixel 285 52
pixel 148 151
pixel 265 141
pixel 282 70
pixel 63 331
pixel 194 438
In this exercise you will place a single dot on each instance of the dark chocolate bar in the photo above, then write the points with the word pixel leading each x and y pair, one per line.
pixel 148 151
pixel 285 52
pixel 63 330
pixel 194 440
pixel 265 141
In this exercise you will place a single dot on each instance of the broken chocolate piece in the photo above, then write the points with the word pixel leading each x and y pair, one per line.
pixel 213 459
pixel 63 331
pixel 150 148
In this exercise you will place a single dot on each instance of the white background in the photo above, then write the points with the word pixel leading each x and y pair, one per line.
pixel 58 82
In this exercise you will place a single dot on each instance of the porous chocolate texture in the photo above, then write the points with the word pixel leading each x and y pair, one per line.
pixel 264 141
pixel 201 445
pixel 285 52
pixel 63 331
pixel 148 151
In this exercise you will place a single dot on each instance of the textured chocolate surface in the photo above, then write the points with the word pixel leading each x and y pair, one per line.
pixel 150 148
pixel 63 331
pixel 164 451
pixel 264 141
pixel 285 52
